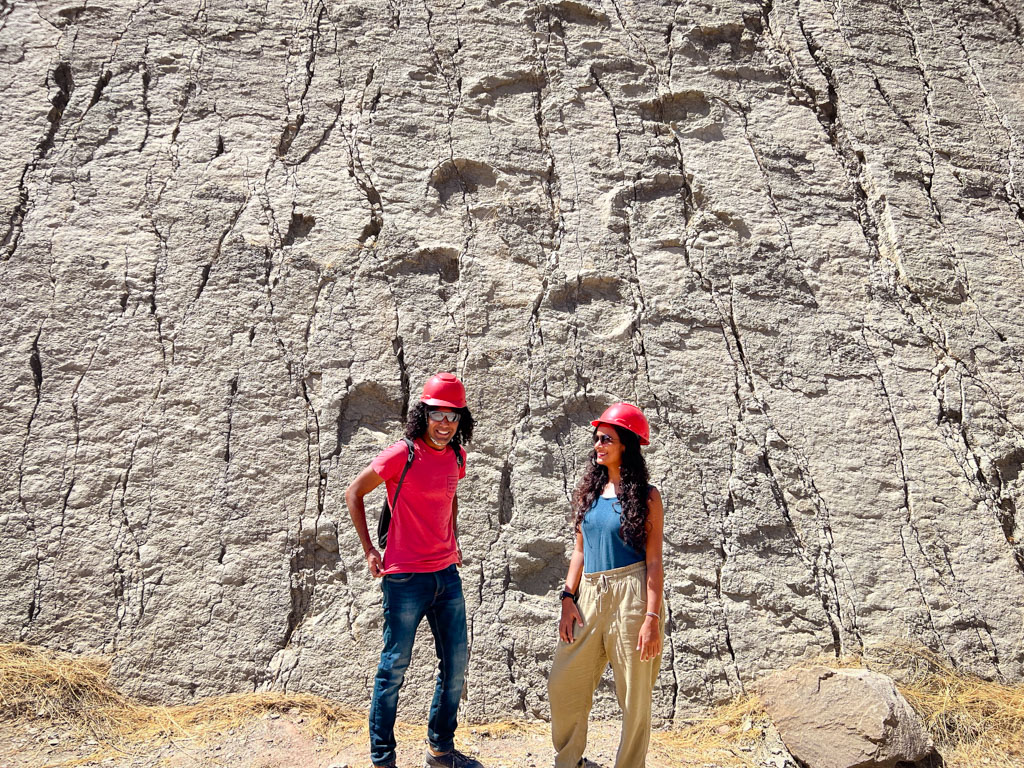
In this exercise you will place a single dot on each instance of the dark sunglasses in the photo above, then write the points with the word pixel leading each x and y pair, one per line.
pixel 439 416
pixel 605 439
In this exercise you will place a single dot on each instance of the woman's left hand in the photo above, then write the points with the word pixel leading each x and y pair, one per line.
pixel 649 642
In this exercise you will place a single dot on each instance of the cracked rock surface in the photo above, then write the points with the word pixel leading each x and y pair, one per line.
pixel 235 238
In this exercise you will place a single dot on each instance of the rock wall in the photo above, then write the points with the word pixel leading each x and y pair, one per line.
pixel 237 237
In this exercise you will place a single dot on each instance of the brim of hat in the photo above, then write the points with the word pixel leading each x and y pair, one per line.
pixel 443 403
pixel 643 440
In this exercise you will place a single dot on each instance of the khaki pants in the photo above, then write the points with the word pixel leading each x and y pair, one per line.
pixel 613 604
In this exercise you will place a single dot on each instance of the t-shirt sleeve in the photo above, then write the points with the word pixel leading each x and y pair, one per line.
pixel 390 462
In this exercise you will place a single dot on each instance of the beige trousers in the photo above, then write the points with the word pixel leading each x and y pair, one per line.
pixel 613 604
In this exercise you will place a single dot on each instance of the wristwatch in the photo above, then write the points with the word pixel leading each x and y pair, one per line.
pixel 566 593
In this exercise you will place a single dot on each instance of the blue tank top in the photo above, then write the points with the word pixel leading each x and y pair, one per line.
pixel 603 547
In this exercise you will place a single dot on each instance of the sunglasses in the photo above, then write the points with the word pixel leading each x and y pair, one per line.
pixel 605 439
pixel 440 416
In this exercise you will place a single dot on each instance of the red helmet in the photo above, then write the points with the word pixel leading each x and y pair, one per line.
pixel 629 417
pixel 444 389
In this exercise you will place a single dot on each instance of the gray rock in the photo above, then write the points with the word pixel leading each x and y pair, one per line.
pixel 844 718
pixel 235 239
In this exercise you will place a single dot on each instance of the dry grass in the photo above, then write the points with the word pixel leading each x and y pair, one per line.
pixel 974 722
pixel 728 735
pixel 75 691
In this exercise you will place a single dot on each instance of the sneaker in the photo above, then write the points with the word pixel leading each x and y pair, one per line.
pixel 453 759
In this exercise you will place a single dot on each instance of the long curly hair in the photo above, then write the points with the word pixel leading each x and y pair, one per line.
pixel 416 424
pixel 634 490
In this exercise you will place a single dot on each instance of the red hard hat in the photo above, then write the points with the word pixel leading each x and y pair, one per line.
pixel 444 389
pixel 628 416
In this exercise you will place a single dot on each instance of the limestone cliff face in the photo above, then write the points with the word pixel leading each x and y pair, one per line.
pixel 237 237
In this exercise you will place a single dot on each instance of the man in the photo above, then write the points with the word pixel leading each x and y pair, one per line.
pixel 419 566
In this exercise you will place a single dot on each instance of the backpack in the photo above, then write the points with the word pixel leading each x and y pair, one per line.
pixel 384 521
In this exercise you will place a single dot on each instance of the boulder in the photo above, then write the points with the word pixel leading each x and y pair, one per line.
pixel 844 718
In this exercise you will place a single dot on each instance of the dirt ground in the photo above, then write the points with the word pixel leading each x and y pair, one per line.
pixel 280 741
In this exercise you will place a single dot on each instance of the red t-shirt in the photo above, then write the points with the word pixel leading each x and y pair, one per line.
pixel 421 538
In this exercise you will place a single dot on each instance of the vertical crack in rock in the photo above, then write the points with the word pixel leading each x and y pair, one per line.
pixel 453 80
pixel 962 283
pixel 723 559
pixel 129 587
pixel 294 125
pixel 62 78
pixel 126 291
pixel 827 114
pixel 954 429
pixel 639 301
pixel 770 195
pixel 403 372
pixel 161 259
pixel 302 563
pixel 97 91
pixel 506 496
pixel 822 574
pixel 830 607
pixel 1013 195
pixel 76 426
pixel 204 275
pixel 552 183
pixel 146 77
pixel 35 364
pixel 398 348
pixel 971 460
pixel 908 508
pixel 231 413
pixel 634 38
pixel 669 50
pixel 364 181
pixel 611 103
pixel 453 84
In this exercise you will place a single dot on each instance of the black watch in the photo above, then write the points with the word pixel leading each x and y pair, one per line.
pixel 566 593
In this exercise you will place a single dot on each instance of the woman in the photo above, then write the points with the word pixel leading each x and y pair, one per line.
pixel 613 593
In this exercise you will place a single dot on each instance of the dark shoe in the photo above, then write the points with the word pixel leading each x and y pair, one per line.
pixel 453 759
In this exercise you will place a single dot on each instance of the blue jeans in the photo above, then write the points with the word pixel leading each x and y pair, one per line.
pixel 408 597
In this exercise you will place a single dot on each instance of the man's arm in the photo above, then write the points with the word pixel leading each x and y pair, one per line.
pixel 455 525
pixel 365 482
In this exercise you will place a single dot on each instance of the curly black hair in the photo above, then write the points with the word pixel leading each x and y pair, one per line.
pixel 416 424
pixel 634 490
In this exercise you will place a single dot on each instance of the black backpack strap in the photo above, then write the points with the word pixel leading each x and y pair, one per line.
pixel 384 523
pixel 460 457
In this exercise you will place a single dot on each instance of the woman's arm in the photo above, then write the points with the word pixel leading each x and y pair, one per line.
pixel 570 611
pixel 649 642
pixel 365 482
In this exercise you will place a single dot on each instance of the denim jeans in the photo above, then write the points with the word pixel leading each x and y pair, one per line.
pixel 408 597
